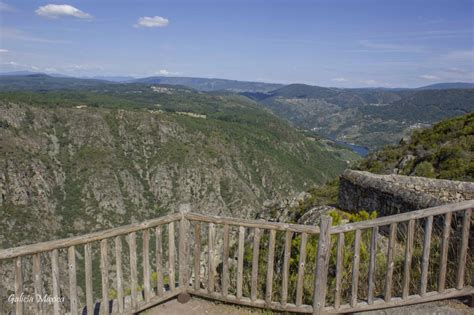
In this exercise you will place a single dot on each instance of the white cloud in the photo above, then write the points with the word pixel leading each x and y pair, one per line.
pixel 58 10
pixel 155 21
pixel 166 72
pixel 50 69
pixel 429 77
pixel 163 72
pixel 339 80
pixel 3 50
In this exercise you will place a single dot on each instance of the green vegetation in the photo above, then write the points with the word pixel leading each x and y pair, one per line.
pixel 131 150
pixel 444 151
pixel 369 117
pixel 347 261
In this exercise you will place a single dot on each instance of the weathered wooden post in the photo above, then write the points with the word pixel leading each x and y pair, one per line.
pixel 184 296
pixel 321 273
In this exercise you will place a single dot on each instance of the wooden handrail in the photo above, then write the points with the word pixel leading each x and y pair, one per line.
pixel 402 217
pixel 262 224
pixel 258 231
pixel 84 239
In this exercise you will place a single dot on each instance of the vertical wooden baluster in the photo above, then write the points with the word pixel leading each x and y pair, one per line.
pixel 171 253
pixel 159 261
pixel 225 262
pixel 55 280
pixel 355 268
pixel 301 265
pixel 240 261
pixel 463 251
pixel 390 263
pixel 72 279
pixel 183 252
pixel 146 265
pixel 426 255
pixel 210 252
pixel 132 243
pixel 118 260
pixel 270 266
pixel 286 267
pixel 408 257
pixel 373 253
pixel 339 270
pixel 18 285
pixel 197 256
pixel 255 256
pixel 38 283
pixel 104 272
pixel 444 251
pixel 88 273
pixel 321 272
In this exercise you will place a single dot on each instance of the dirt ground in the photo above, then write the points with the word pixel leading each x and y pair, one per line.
pixel 197 306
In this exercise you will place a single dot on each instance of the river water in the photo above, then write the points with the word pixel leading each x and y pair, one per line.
pixel 362 151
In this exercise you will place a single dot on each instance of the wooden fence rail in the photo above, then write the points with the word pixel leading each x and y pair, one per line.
pixel 249 262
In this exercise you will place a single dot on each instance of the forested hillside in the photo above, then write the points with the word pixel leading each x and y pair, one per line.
pixel 72 162
pixel 368 117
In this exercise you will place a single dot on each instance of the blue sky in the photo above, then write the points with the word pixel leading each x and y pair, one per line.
pixel 353 43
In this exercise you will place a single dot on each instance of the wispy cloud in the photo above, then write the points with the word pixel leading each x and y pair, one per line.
pixel 81 68
pixel 422 35
pixel 59 10
pixel 369 82
pixel 155 21
pixel 339 79
pixel 455 70
pixel 460 55
pixel 429 77
pixel 5 7
pixel 13 33
pixel 3 50
pixel 13 65
pixel 72 69
pixel 375 83
pixel 389 47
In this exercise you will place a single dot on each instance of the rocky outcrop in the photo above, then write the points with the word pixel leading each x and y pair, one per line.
pixel 392 194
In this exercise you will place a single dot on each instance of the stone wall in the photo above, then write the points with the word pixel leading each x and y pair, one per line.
pixel 392 194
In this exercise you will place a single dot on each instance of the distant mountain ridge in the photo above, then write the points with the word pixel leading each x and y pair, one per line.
pixel 449 85
pixel 368 117
pixel 216 84
pixel 205 84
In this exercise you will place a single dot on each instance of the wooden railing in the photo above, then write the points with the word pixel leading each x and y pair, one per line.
pixel 227 263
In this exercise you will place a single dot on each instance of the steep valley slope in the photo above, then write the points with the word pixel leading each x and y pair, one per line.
pixel 76 162
pixel 368 117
